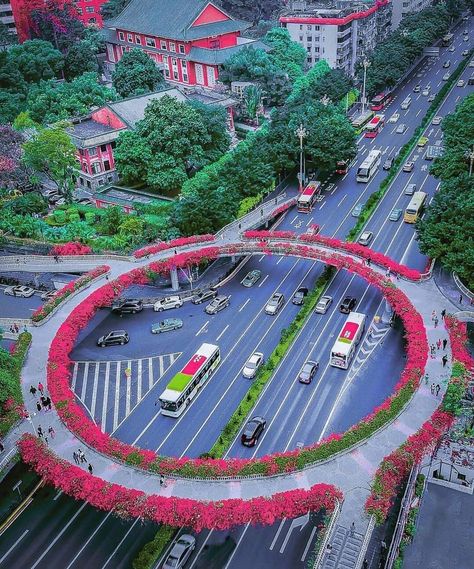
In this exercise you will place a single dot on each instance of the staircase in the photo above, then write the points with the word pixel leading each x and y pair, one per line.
pixel 346 548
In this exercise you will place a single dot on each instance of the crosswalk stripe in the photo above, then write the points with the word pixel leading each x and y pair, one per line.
pixel 94 390
pixel 117 395
pixel 103 418
pixel 74 376
pixel 139 387
pixel 84 381
pixel 160 360
pixel 129 391
pixel 150 373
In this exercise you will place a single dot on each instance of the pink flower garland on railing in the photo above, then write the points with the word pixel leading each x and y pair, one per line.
pixel 179 242
pixel 71 248
pixel 59 369
pixel 128 503
pixel 283 208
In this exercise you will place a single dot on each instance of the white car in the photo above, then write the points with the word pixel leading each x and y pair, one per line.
pixel 323 304
pixel 365 238
pixel 471 63
pixel 426 91
pixel 167 303
pixel 446 76
pixel 394 117
pixel 460 83
pixel 436 121
pixel 252 365
pixel 451 48
pixel 180 552
pixel 19 290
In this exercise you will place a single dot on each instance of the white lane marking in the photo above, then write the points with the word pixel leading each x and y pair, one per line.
pixel 57 495
pixel 322 205
pixel 280 527
pixel 299 522
pixel 140 379
pixel 103 420
pixel 344 197
pixel 402 260
pixel 294 219
pixel 46 551
pixel 147 427
pixel 280 260
pixel 418 112
pixel 266 277
pixel 222 333
pixel 94 389
pixel 84 381
pixel 74 376
pixel 2 559
pixel 89 540
pixel 202 328
pixel 310 221
pixel 308 545
pixel 244 304
pixel 150 373
pixel 120 543
pixel 227 565
pixel 261 258
pixel 117 395
pixel 129 390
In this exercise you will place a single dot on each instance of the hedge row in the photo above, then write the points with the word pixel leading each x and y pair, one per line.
pixel 151 551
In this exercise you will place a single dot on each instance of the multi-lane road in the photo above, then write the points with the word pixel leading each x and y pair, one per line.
pixel 58 532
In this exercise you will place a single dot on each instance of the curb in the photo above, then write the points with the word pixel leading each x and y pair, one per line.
pixel 20 509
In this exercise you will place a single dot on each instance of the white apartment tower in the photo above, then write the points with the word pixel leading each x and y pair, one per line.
pixel 402 8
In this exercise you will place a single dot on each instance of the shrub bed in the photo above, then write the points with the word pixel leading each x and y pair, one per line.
pixel 151 551
pixel 179 242
pixel 71 248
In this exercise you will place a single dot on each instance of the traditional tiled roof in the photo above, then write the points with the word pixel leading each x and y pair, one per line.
pixel 218 56
pixel 171 19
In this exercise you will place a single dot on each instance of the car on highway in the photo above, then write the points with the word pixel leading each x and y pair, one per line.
pixel 127 306
pixel 313 229
pixel 251 278
pixel 408 166
pixel 447 63
pixel 358 209
pixel 300 295
pixel 451 48
pixel 460 83
pixel 308 371
pixel 275 303
pixel 19 290
pixel 365 238
pixel 446 76
pixel 114 338
pixel 431 98
pixel 166 325
pixel 436 120
pixel 394 117
pixel 180 552
pixel 395 214
pixel 253 363
pixel 203 295
pixel 417 88
pixel 48 294
pixel 219 303
pixel 465 38
pixel 426 91
pixel 465 53
pixel 167 303
pixel 323 304
pixel 423 141
pixel 401 128
pixel 252 431
pixel 410 189
pixel 470 81
pixel 347 304
pixel 471 63
pixel 388 163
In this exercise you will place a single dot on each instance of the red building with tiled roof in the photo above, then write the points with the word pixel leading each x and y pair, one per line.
pixel 188 39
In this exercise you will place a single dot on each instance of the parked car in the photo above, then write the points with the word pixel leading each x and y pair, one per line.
pixel 308 371
pixel 204 295
pixel 395 214
pixel 446 76
pixel 460 83
pixel 19 290
pixel 365 238
pixel 127 306
pixel 394 117
pixel 167 303
pixel 417 88
pixel 347 304
pixel 465 52
pixel 436 120
pixel 401 128
pixel 465 38
pixel 218 304
pixel 275 303
pixel 323 304
pixel 252 431
pixel 167 325
pixel 300 295
pixel 408 166
pixel 253 363
pixel 48 294
pixel 410 189
pixel 388 163
pixel 180 552
pixel 251 278
pixel 114 338
pixel 357 210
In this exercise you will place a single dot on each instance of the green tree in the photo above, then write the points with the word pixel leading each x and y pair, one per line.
pixel 36 60
pixel 285 53
pixel 136 74
pixel 217 138
pixel 252 100
pixel 51 153
pixel 113 8
pixel 32 202
pixel 56 21
pixel 80 58
pixel 6 36
pixel 111 221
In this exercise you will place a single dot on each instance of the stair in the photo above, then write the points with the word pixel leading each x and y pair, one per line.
pixel 345 549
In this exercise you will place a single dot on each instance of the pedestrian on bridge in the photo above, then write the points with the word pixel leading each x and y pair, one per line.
pixel 38 405
pixel 75 456
pixel 438 344
pixel 438 387
pixel 51 432
pixel 33 390
pixel 444 360
pixel 445 343
pixel 443 313
pixel 436 322
pixel 432 389
pixel 40 431
pixel 41 387
pixel 89 468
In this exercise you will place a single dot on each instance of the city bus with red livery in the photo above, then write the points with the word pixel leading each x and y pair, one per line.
pixel 342 166
pixel 373 127
pixel 380 101
pixel 185 385
pixel 346 344
pixel 308 196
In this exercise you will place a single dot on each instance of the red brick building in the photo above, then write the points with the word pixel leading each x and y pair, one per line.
pixel 187 39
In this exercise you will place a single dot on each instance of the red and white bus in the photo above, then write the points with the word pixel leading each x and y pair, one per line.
pixel 373 127
pixel 380 101
pixel 342 166
pixel 345 346
pixel 308 196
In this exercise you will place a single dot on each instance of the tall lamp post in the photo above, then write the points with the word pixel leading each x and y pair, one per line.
pixel 469 154
pixel 366 65
pixel 301 133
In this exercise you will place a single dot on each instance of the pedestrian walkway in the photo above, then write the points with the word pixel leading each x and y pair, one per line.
pixel 111 390
pixel 346 545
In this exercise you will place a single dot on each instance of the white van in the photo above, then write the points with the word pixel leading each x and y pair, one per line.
pixel 406 103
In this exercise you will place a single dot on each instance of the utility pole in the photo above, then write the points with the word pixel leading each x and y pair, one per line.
pixel 366 64
pixel 469 154
pixel 301 133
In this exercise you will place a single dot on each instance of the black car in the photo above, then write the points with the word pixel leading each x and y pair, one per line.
pixel 253 429
pixel 114 338
pixel 308 371
pixel 347 304
pixel 299 296
pixel 127 306
pixel 203 295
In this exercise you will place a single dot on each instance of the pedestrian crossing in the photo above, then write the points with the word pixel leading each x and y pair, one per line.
pixel 373 338
pixel 110 390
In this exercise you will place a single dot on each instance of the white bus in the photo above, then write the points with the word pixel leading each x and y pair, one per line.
pixel 184 386
pixel 345 346
pixel 308 196
pixel 369 166
pixel 415 207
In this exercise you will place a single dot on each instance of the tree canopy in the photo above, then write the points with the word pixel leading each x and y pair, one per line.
pixel 35 60
pixel 252 10
pixel 136 74
pixel 12 172
pixel 113 8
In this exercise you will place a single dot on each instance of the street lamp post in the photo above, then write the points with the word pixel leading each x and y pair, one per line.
pixel 469 154
pixel 301 133
pixel 366 64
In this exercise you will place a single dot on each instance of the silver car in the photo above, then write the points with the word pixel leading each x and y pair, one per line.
pixel 274 304
pixel 252 365
pixel 19 290
pixel 365 238
pixel 167 303
pixel 180 552
pixel 323 304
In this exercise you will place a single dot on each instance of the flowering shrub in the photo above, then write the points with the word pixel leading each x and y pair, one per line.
pixel 71 248
pixel 63 293
pixel 179 242
pixel 126 502
pixel 283 208
pixel 59 373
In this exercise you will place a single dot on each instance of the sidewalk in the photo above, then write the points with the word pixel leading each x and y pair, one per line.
pixel 446 284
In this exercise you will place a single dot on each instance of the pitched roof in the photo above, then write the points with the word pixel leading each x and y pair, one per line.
pixel 219 56
pixel 171 19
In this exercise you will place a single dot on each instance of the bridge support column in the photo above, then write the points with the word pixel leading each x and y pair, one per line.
pixel 233 259
pixel 174 279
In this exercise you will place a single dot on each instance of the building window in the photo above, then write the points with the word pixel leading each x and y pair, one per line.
pixel 109 179
pixel 167 73
pixel 301 38
pixel 150 42
pixel 79 11
pixel 93 151
pixel 215 44
pixel 138 40
pixel 103 148
pixel 92 20
pixel 81 181
pixel 310 60
pixel 130 38
pixel 95 167
pixel 101 182
pixel 162 44
pixel 175 75
pixel 89 9
pixel 181 48
pixel 211 76
pixel 185 78
pixel 308 27
pixel 308 48
pixel 184 64
pixel 301 26
pixel 309 38
pixel 199 74
pixel 172 46
pixel 88 184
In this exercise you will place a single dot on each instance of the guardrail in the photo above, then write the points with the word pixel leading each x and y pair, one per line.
pixel 463 288
pixel 322 550
pixel 365 543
